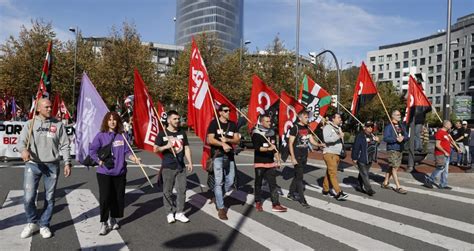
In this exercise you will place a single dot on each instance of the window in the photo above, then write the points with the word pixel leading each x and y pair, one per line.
pixel 380 59
pixel 430 81
pixel 431 89
pixel 463 87
pixel 472 61
pixel 422 61
pixel 387 67
pixel 453 87
pixel 414 53
pixel 438 79
pixel 463 52
pixel 373 68
pixel 397 74
pixel 431 49
pixel 405 74
pixel 389 57
pixel 396 56
pixel 439 57
pixel 439 47
pixel 456 76
pixel 437 100
pixel 405 54
pixel 397 65
pixel 405 64
pixel 389 75
pixel 439 68
pixel 463 75
pixel 472 49
pixel 463 63
pixel 372 59
pixel 472 37
pixel 421 52
pixel 380 67
pixel 455 65
pixel 430 70
pixel 456 54
pixel 413 62
pixel 438 89
pixel 380 76
pixel 429 60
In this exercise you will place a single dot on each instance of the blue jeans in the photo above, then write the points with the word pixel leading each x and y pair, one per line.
pixel 32 177
pixel 454 153
pixel 223 177
pixel 444 174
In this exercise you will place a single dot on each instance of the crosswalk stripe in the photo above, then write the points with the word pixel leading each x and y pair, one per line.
pixel 451 223
pixel 356 240
pixel 12 222
pixel 390 225
pixel 84 209
pixel 264 235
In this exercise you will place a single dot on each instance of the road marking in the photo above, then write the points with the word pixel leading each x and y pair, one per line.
pixel 390 225
pixel 261 234
pixel 84 209
pixel 451 223
pixel 12 222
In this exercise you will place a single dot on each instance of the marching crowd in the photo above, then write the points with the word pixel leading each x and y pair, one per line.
pixel 44 138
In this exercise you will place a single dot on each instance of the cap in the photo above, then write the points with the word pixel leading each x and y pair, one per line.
pixel 464 122
pixel 369 124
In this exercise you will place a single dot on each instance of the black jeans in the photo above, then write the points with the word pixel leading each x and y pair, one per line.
pixel 364 175
pixel 270 175
pixel 297 182
pixel 111 196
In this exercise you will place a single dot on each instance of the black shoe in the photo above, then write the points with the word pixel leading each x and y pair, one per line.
pixel 341 196
pixel 371 192
pixel 446 187
pixel 328 193
pixel 304 204
pixel 291 197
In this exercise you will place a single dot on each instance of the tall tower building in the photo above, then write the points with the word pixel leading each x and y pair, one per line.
pixel 221 17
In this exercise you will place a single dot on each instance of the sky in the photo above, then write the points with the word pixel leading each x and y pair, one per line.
pixel 350 28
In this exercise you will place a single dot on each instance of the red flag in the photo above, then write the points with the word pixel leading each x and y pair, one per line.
pixel 44 86
pixel 200 107
pixel 417 103
pixel 262 100
pixel 364 90
pixel 288 114
pixel 145 122
pixel 63 112
pixel 57 101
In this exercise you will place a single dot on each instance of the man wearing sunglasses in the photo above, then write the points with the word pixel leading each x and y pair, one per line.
pixel 221 135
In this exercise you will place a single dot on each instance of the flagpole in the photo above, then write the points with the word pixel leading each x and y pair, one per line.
pixel 214 109
pixel 386 112
pixel 350 113
pixel 320 141
pixel 136 158
pixel 164 128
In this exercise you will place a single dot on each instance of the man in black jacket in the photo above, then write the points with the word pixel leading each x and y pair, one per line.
pixel 364 152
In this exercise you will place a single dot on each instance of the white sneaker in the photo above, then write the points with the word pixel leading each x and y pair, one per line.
pixel 45 233
pixel 113 224
pixel 170 218
pixel 104 228
pixel 181 217
pixel 29 230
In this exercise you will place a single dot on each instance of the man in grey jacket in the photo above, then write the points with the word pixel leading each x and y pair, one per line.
pixel 41 151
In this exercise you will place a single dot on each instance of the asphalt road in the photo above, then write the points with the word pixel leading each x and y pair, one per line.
pixel 423 219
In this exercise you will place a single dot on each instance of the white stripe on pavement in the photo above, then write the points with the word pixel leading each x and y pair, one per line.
pixel 85 213
pixel 12 222
pixel 390 225
pixel 356 240
pixel 451 223
pixel 261 234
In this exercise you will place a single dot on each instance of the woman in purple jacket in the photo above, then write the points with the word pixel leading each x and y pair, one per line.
pixel 111 172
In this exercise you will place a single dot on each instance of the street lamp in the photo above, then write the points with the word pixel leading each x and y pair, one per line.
pixel 242 44
pixel 446 99
pixel 297 54
pixel 76 32
pixel 338 73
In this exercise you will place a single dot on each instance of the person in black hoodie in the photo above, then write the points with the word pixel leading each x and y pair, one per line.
pixel 364 152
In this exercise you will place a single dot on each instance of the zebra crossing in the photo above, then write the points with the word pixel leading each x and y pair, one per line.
pixel 361 222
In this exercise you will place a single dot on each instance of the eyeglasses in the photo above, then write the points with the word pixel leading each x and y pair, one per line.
pixel 226 110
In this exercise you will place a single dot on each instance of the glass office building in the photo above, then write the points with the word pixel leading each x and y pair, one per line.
pixel 221 17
